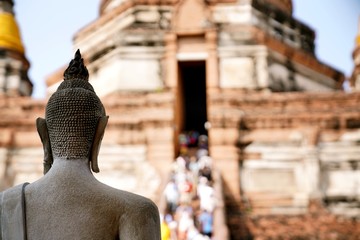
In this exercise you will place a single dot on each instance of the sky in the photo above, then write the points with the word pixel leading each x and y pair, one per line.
pixel 47 29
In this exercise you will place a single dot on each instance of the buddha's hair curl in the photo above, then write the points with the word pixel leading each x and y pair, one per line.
pixel 72 113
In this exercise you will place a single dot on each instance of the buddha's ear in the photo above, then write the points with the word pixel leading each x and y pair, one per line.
pixel 99 134
pixel 44 136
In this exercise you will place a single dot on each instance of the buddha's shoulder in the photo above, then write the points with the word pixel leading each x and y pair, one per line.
pixel 131 201
pixel 13 191
pixel 12 195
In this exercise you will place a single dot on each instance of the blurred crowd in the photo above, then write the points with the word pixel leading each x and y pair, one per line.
pixel 189 194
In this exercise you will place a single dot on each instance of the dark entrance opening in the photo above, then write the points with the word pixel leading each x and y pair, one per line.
pixel 193 94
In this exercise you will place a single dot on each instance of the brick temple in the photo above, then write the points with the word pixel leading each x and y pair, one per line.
pixel 282 131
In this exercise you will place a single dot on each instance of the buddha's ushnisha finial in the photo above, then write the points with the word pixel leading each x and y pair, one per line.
pixel 76 69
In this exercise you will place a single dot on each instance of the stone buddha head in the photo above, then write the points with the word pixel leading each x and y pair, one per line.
pixel 75 119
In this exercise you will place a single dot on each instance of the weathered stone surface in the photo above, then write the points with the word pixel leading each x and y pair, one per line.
pixel 317 224
pixel 237 73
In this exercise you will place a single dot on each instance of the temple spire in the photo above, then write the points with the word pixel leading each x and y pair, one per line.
pixel 9 31
pixel 355 76
pixel 14 66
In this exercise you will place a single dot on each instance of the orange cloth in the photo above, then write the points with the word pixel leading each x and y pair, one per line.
pixel 9 33
pixel 358 40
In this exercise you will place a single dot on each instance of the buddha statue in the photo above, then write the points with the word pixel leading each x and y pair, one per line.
pixel 68 202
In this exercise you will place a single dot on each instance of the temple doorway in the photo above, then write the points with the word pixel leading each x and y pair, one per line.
pixel 192 107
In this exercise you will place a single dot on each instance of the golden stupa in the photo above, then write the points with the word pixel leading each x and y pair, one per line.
pixel 9 33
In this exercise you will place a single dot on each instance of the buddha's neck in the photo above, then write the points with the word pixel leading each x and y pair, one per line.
pixel 76 168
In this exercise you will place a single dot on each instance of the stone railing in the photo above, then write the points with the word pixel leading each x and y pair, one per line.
pixel 221 230
pixel 284 27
